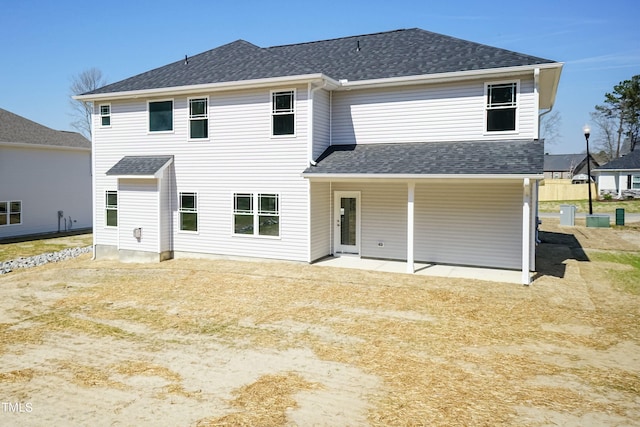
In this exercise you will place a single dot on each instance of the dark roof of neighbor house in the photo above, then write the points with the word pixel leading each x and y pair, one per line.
pixel 434 158
pixel 626 162
pixel 563 162
pixel 17 129
pixel 399 53
pixel 139 165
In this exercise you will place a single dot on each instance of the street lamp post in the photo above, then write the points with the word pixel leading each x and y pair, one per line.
pixel 587 132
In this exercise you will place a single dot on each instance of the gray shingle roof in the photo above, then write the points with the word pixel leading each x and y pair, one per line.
pixel 139 165
pixel 17 129
pixel 381 55
pixel 626 162
pixel 433 158
pixel 562 162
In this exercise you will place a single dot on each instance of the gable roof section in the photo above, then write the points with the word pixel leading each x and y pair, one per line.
pixel 15 129
pixel 490 158
pixel 630 161
pixel 399 53
pixel 562 162
pixel 140 166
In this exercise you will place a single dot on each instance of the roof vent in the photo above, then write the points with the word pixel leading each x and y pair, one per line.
pixel 186 60
pixel 358 46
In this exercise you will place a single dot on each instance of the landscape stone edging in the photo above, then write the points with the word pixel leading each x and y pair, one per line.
pixel 36 260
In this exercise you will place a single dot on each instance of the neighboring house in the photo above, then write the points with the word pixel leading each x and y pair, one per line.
pixel 620 177
pixel 45 178
pixel 568 166
pixel 405 145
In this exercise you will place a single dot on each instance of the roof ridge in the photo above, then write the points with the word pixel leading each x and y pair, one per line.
pixel 342 38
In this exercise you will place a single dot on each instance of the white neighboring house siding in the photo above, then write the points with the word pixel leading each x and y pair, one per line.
pixel 46 180
pixel 239 156
pixel 439 112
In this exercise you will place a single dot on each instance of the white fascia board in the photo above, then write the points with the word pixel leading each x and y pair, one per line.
pixel 212 87
pixel 42 146
pixel 422 177
pixel 447 77
pixel 614 170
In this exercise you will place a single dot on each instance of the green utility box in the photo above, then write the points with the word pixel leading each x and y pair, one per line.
pixel 598 220
pixel 619 216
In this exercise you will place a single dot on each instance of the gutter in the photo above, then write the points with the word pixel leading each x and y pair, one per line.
pixel 379 176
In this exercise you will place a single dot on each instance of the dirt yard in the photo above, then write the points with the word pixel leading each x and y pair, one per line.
pixel 216 343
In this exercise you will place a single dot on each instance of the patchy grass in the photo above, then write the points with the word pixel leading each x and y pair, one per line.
pixel 599 206
pixel 10 251
pixel 625 270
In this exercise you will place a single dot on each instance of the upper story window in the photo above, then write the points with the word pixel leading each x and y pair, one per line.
pixel 105 115
pixel 10 213
pixel 283 113
pixel 198 118
pixel 161 116
pixel 502 106
pixel 188 212
pixel 111 208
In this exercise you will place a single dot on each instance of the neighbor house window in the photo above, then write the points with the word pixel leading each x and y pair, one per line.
pixel 10 213
pixel 161 116
pixel 198 118
pixel 635 182
pixel 263 221
pixel 188 212
pixel 283 113
pixel 111 208
pixel 105 115
pixel 501 106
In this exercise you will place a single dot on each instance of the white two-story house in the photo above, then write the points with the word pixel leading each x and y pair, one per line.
pixel 404 145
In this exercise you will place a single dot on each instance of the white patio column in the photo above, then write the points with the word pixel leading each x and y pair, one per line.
pixel 526 231
pixel 411 186
pixel 619 185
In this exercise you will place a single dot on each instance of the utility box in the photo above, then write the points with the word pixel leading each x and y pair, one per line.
pixel 598 220
pixel 568 215
pixel 619 216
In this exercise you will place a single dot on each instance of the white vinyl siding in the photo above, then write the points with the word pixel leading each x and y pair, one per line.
pixel 321 122
pixel 445 112
pixel 320 220
pixel 241 157
pixel 138 207
pixel 45 181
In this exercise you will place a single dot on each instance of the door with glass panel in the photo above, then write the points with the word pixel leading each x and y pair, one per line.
pixel 347 222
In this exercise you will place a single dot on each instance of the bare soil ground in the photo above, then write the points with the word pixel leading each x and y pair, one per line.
pixel 214 343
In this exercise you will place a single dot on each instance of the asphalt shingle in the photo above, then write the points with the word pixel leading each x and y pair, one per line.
pixel 433 158
pixel 397 53
pixel 626 162
pixel 139 165
pixel 17 129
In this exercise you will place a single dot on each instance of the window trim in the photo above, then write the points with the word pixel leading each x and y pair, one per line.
pixel 103 116
pixel 486 108
pixel 274 113
pixel 191 118
pixel 195 211
pixel 10 212
pixel 173 116
pixel 108 207
pixel 256 213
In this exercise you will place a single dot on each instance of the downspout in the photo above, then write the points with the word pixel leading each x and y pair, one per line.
pixel 310 91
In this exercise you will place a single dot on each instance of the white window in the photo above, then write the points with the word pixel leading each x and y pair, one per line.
pixel 502 106
pixel 10 213
pixel 111 208
pixel 105 115
pixel 188 212
pixel 283 113
pixel 263 221
pixel 161 116
pixel 198 118
pixel 635 182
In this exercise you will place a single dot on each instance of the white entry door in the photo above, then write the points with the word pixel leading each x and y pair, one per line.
pixel 347 222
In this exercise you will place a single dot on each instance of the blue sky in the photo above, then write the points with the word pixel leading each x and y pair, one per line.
pixel 45 43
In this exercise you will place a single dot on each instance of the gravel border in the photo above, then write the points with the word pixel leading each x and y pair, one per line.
pixel 36 260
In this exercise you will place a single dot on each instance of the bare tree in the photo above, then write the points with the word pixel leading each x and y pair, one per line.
pixel 86 81
pixel 550 127
pixel 605 135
